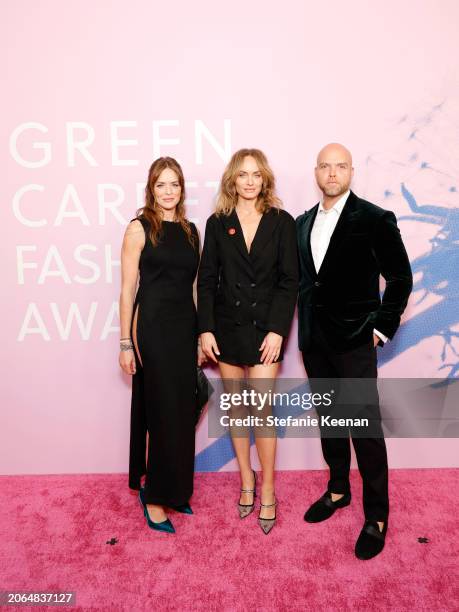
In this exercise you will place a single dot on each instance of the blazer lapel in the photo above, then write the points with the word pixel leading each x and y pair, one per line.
pixel 346 219
pixel 266 226
pixel 304 240
pixel 233 233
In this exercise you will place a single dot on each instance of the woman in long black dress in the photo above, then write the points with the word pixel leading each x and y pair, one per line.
pixel 159 344
pixel 247 290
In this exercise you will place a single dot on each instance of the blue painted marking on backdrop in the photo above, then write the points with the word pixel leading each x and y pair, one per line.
pixel 215 456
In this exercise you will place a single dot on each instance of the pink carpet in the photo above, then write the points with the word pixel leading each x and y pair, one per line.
pixel 55 530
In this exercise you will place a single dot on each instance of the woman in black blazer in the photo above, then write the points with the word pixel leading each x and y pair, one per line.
pixel 247 289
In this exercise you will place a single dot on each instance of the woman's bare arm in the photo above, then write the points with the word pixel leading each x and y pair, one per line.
pixel 133 243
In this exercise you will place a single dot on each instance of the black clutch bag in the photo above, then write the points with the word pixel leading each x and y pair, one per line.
pixel 203 391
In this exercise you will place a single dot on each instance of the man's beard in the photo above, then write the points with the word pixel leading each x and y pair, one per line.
pixel 334 190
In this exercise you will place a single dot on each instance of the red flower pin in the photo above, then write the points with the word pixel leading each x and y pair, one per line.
pixel 231 231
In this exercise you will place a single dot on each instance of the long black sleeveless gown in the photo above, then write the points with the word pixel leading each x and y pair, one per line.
pixel 164 389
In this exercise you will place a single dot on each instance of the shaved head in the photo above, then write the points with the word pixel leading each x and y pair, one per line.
pixel 335 151
pixel 334 172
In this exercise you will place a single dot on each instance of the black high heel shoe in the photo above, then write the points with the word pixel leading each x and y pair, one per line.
pixel 246 509
pixel 165 526
pixel 267 524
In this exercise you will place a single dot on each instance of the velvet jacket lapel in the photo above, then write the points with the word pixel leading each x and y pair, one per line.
pixel 347 218
pixel 305 240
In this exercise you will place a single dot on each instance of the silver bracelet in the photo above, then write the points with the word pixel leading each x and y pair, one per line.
pixel 126 347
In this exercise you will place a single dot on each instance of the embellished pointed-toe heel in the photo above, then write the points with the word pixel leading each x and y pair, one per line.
pixel 183 508
pixel 165 526
pixel 246 509
pixel 267 524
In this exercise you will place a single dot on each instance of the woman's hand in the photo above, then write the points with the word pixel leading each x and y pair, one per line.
pixel 271 347
pixel 127 361
pixel 209 346
pixel 201 357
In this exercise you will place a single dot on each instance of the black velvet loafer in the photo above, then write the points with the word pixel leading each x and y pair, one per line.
pixel 370 541
pixel 324 508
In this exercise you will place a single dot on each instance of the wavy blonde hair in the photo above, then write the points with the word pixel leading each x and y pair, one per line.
pixel 151 212
pixel 227 196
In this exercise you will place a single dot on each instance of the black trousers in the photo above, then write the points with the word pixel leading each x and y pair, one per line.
pixel 322 362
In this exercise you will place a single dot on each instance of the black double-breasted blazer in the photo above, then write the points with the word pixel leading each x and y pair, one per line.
pixel 343 298
pixel 243 295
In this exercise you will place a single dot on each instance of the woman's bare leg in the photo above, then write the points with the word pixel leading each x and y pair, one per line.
pixel 261 377
pixel 230 373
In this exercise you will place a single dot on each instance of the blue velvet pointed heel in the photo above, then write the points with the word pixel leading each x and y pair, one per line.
pixel 165 526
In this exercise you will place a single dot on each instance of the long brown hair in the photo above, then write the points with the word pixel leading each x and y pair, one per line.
pixel 151 212
pixel 228 196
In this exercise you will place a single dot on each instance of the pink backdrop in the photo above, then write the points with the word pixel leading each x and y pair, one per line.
pixel 96 90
